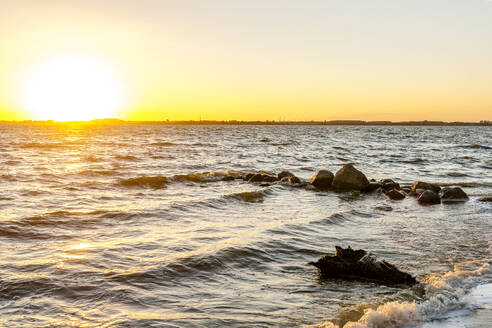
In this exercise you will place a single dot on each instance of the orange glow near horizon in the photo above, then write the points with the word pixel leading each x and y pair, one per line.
pixel 159 60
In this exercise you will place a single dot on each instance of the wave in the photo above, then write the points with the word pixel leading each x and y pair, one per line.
pixel 474 146
pixel 468 184
pixel 65 218
pixel 153 182
pixel 416 160
pixel 50 145
pixel 93 159
pixel 93 173
pixel 438 294
pixel 249 196
pixel 196 265
pixel 206 176
pixel 163 144
pixel 127 157
pixel 456 174
pixel 285 143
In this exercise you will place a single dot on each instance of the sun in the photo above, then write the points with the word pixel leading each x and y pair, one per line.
pixel 72 88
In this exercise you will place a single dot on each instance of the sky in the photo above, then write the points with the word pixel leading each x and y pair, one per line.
pixel 257 59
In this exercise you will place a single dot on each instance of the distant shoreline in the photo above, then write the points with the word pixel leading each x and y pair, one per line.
pixel 235 122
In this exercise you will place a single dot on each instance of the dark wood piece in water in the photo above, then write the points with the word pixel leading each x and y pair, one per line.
pixel 359 264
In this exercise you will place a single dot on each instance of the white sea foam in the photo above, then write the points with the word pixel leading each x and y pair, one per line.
pixel 444 292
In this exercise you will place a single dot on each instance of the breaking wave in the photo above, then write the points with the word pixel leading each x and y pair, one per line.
pixel 438 294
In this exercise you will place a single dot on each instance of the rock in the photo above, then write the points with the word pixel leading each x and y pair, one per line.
pixel 349 178
pixel 428 197
pixel 487 199
pixel 406 189
pixel 454 195
pixel 284 174
pixel 372 186
pixel 291 179
pixel 260 177
pixel 417 192
pixel 287 177
pixel 322 179
pixel 395 194
pixel 426 186
pixel 228 178
pixel 352 264
pixel 388 184
pixel 248 176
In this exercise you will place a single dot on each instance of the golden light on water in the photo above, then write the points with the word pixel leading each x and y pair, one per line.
pixel 76 251
pixel 72 88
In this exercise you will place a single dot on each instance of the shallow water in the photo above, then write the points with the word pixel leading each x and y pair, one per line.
pixel 132 226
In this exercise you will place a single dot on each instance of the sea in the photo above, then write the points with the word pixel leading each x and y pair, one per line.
pixel 153 226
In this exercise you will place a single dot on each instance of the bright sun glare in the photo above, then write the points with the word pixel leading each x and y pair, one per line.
pixel 72 88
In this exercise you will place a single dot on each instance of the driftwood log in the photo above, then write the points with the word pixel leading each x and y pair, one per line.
pixel 359 264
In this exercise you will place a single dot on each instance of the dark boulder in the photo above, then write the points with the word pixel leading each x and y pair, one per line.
pixel 429 197
pixel 228 178
pixel 454 195
pixel 487 199
pixel 395 194
pixel 388 184
pixel 426 186
pixel 322 179
pixel 260 177
pixel 349 178
pixel 359 264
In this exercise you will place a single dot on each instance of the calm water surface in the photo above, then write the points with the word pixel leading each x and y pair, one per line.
pixel 122 226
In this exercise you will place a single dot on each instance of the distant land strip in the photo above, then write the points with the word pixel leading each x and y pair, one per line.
pixel 235 122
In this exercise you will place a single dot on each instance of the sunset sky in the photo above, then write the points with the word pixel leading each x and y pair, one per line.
pixel 246 60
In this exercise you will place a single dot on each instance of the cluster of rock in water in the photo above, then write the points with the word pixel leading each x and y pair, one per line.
pixel 360 264
pixel 349 178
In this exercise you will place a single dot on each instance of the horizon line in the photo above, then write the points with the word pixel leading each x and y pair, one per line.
pixel 116 121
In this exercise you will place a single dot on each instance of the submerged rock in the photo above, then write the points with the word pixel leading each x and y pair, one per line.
pixel 349 178
pixel 406 189
pixel 372 186
pixel 228 178
pixel 454 195
pixel 286 176
pixel 260 177
pixel 429 197
pixel 322 179
pixel 388 184
pixel 487 199
pixel 426 186
pixel 395 194
pixel 359 264
pixel 248 176
pixel 291 179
